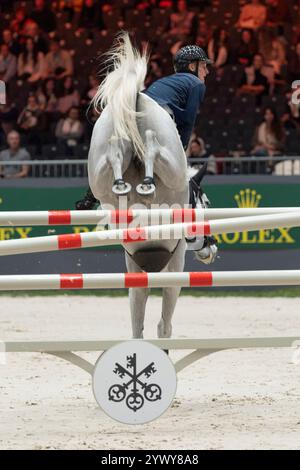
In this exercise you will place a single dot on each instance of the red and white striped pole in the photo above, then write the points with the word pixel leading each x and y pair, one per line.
pixel 149 233
pixel 151 280
pixel 117 217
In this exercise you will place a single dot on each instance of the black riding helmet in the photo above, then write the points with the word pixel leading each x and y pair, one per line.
pixel 188 54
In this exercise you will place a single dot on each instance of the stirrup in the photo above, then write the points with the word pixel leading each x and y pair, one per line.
pixel 147 187
pixel 120 188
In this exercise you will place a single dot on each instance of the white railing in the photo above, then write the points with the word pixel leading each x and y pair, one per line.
pixel 280 166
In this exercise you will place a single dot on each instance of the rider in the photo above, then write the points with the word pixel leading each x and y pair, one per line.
pixel 181 94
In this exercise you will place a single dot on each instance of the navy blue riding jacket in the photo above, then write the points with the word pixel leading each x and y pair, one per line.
pixel 183 93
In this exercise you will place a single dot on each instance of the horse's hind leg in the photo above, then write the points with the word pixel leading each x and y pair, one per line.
pixel 138 299
pixel 116 159
pixel 147 187
pixel 171 294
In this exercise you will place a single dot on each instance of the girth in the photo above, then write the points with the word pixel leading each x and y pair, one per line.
pixel 152 260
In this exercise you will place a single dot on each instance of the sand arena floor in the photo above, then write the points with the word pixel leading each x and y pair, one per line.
pixel 239 399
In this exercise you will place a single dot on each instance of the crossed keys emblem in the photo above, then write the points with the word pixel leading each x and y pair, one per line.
pixel 136 385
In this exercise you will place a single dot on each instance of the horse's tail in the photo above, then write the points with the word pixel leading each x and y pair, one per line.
pixel 120 87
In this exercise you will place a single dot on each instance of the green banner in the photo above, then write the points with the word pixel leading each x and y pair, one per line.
pixel 223 195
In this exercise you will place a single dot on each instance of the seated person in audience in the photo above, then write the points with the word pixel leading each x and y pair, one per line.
pixel 70 96
pixel 31 66
pixel 291 116
pixel 91 89
pixel 181 21
pixel 8 64
pixel 13 45
pixel 246 48
pixel 8 116
pixel 14 152
pixel 31 29
pixel 43 16
pixel 218 48
pixel 31 121
pixel 59 63
pixel 277 13
pixel 197 150
pixel 204 34
pixel 17 24
pixel 69 131
pixel 294 63
pixel 47 96
pixel 254 82
pixel 269 138
pixel 253 15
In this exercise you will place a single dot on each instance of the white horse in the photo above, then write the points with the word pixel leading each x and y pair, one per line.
pixel 136 150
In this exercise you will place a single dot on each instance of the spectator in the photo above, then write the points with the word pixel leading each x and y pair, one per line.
pixel 8 116
pixel 294 64
pixel 181 21
pixel 204 34
pixel 291 116
pixel 218 48
pixel 246 48
pixel 43 16
pixel 69 131
pixel 277 13
pixel 31 121
pixel 254 82
pixel 70 96
pixel 59 63
pixel 252 16
pixel 31 66
pixel 31 29
pixel 14 46
pixel 92 88
pixel 269 138
pixel 17 24
pixel 155 71
pixel 14 153
pixel 197 150
pixel 91 15
pixel 8 64
pixel 48 96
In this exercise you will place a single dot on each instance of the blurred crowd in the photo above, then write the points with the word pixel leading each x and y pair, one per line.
pixel 50 56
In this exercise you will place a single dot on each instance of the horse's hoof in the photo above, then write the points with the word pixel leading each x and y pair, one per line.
pixel 147 187
pixel 120 188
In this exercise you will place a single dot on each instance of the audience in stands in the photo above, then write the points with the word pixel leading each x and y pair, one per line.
pixel 198 150
pixel 16 153
pixel 253 15
pixel 70 96
pixel 31 121
pixel 246 48
pixel 181 21
pixel 50 51
pixel 13 45
pixel 218 48
pixel 269 138
pixel 69 132
pixel 31 64
pixel 58 61
pixel 254 82
pixel 8 64
pixel 43 16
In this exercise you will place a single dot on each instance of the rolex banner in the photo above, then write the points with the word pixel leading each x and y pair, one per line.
pixel 220 195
